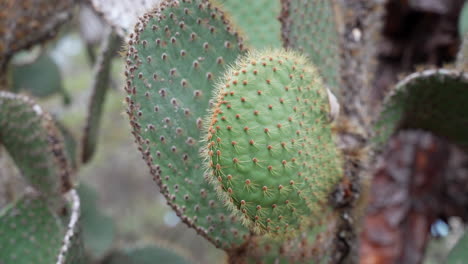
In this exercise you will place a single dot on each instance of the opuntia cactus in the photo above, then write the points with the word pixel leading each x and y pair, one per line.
pixel 270 147
pixel 43 226
pixel 173 59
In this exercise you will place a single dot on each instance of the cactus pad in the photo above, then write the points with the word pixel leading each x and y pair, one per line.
pixel 30 232
pixel 33 142
pixel 25 23
pixel 432 100
pixel 43 78
pixel 173 60
pixel 270 147
pixel 100 85
pixel 258 19
pixel 312 28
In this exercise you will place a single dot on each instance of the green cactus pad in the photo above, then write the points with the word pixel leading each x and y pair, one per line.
pixel 43 78
pixel 312 28
pixel 258 19
pixel 432 100
pixel 100 85
pixel 32 21
pixel 173 60
pixel 31 232
pixel 33 142
pixel 270 147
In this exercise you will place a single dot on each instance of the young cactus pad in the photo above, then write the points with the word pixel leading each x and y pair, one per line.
pixel 433 100
pixel 270 147
pixel 173 58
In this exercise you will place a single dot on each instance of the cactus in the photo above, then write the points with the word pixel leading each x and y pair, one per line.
pixel 317 36
pixel 270 147
pixel 100 85
pixel 258 19
pixel 420 101
pixel 46 171
pixel 172 61
pixel 49 216
pixel 44 78
pixel 32 233
pixel 28 23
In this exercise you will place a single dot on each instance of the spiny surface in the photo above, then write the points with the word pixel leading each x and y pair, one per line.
pixel 30 232
pixel 312 28
pixel 270 149
pixel 123 14
pixel 35 145
pixel 172 61
pixel 432 100
pixel 27 22
pixel 258 19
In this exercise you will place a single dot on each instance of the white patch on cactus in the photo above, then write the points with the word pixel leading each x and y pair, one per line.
pixel 334 106
pixel 37 108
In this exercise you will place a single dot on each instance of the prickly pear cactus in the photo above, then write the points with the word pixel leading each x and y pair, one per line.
pixel 32 232
pixel 257 19
pixel 30 213
pixel 30 137
pixel 433 100
pixel 100 86
pixel 29 22
pixel 317 36
pixel 173 60
pixel 270 148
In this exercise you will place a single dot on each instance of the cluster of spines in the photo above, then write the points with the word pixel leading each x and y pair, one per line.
pixel 263 171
